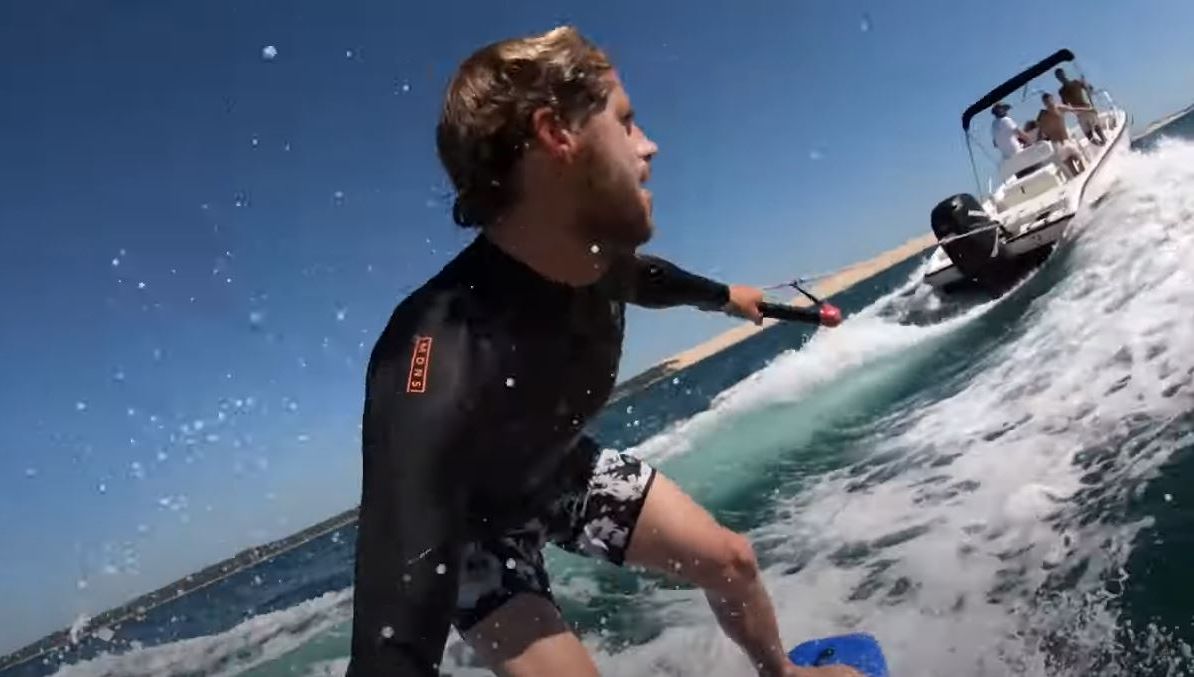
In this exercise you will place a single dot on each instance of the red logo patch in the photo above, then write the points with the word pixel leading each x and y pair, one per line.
pixel 420 362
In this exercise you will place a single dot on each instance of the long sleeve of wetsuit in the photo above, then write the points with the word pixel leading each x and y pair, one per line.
pixel 656 283
pixel 414 451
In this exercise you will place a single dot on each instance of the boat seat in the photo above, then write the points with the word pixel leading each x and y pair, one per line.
pixel 1038 153
pixel 1025 188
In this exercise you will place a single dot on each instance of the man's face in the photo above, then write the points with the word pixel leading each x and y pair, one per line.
pixel 613 166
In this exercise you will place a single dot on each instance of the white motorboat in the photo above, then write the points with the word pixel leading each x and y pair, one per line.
pixel 1031 195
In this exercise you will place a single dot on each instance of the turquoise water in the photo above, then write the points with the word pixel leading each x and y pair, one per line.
pixel 990 488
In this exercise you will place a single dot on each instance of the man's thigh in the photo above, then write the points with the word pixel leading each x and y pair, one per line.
pixel 678 537
pixel 527 637
pixel 506 612
pixel 630 513
pixel 505 607
pixel 497 569
pixel 599 518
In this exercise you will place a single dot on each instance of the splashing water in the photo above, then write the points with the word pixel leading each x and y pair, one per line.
pixel 974 538
pixel 957 488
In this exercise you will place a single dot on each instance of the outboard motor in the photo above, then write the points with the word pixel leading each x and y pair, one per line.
pixel 978 256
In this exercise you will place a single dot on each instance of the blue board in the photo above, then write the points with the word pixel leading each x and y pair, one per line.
pixel 859 651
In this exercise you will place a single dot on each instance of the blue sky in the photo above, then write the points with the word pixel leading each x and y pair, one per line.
pixel 201 243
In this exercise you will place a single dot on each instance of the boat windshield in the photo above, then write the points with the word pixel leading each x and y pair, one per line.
pixel 993 166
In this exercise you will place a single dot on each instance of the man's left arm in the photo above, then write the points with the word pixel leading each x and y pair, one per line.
pixel 656 283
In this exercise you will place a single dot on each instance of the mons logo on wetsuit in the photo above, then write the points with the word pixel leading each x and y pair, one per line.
pixel 481 384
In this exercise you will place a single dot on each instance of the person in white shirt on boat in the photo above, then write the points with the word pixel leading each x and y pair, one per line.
pixel 1005 133
pixel 1051 122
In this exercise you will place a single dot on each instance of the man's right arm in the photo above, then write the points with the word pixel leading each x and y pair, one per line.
pixel 1015 130
pixel 651 282
pixel 414 492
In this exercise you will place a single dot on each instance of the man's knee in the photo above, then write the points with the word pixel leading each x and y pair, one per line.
pixel 735 563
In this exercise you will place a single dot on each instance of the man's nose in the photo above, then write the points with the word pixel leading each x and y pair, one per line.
pixel 647 148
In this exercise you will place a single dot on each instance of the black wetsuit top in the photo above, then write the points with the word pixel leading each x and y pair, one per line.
pixel 477 392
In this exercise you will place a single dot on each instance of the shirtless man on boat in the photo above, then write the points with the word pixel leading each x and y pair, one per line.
pixel 1077 93
pixel 1051 122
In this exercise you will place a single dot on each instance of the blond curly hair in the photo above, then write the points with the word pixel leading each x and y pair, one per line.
pixel 485 124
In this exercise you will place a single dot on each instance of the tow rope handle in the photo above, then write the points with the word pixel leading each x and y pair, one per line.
pixel 822 313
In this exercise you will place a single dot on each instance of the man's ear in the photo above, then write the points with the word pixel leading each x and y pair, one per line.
pixel 552 135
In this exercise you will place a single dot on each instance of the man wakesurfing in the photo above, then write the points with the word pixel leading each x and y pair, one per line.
pixel 482 381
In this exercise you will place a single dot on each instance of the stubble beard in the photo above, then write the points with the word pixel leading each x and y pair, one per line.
pixel 614 212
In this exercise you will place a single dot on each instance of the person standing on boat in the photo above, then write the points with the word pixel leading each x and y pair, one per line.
pixel 1052 124
pixel 1006 135
pixel 1077 93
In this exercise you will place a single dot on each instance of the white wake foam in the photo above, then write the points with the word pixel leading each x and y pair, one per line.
pixel 940 551
pixel 830 355
pixel 255 641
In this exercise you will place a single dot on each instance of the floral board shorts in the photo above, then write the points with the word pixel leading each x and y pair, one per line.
pixel 595 518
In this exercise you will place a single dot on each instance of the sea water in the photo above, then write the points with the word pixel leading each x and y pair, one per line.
pixel 989 487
